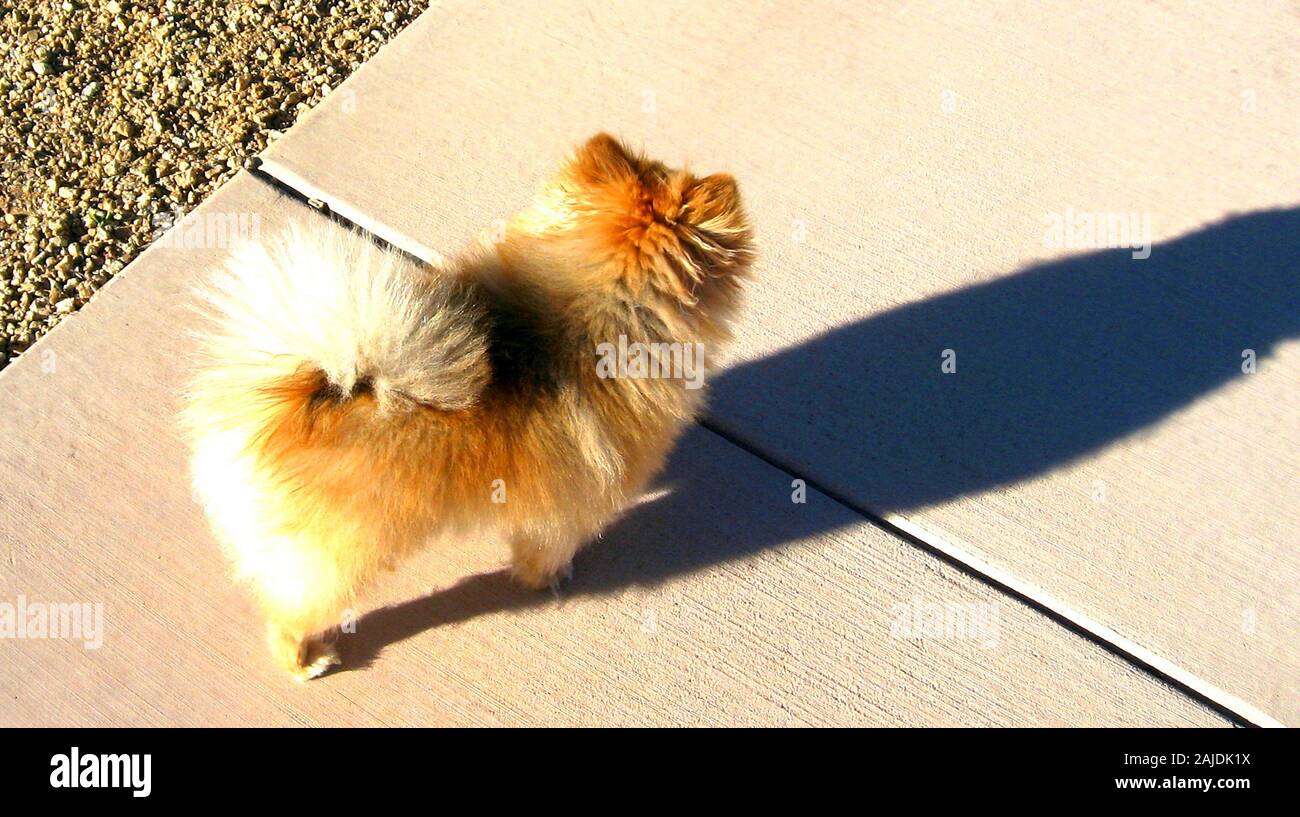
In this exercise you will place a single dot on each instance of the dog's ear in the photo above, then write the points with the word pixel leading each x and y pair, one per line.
pixel 712 232
pixel 601 159
pixel 712 204
pixel 597 181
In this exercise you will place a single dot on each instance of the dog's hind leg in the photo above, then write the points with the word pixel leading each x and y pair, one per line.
pixel 304 589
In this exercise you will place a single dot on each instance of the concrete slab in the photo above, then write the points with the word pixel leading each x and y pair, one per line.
pixel 921 177
pixel 718 601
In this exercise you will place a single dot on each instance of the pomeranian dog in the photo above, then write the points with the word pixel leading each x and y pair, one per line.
pixel 352 404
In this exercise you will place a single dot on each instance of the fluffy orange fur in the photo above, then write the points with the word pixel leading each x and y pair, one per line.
pixel 338 478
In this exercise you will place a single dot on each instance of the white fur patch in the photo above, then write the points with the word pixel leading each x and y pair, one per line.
pixel 358 312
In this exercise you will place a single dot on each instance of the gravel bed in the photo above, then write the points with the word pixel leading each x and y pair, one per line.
pixel 116 112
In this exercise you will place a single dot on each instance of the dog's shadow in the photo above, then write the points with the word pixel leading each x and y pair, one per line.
pixel 1051 363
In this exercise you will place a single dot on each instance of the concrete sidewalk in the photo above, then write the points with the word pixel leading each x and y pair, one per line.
pixel 1098 450
pixel 718 601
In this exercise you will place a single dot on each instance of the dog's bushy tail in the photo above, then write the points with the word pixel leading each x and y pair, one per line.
pixel 323 315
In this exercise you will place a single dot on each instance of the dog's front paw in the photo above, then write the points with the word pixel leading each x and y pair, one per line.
pixel 534 575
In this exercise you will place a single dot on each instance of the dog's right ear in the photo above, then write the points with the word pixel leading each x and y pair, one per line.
pixel 713 204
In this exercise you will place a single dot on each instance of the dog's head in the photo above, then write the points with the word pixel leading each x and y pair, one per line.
pixel 651 234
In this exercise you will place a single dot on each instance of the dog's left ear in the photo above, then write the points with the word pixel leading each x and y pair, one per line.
pixel 602 158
